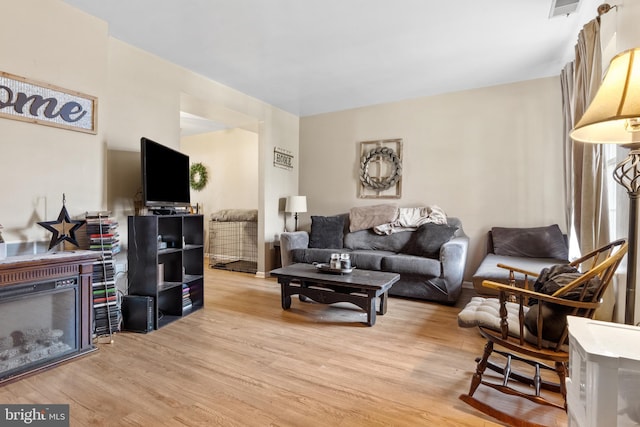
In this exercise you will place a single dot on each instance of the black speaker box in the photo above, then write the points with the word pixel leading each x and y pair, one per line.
pixel 137 313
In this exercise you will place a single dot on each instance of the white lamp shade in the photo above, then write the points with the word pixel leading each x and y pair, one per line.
pixel 296 204
pixel 617 102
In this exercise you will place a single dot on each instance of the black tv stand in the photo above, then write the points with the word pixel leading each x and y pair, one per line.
pixel 177 289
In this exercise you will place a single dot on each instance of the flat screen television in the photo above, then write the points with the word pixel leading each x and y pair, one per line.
pixel 165 176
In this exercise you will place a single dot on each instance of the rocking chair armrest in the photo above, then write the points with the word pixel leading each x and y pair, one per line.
pixel 517 270
pixel 540 296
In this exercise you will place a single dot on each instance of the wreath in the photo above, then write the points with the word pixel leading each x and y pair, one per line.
pixel 386 154
pixel 198 176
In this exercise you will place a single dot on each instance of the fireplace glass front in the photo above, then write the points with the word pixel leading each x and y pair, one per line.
pixel 38 324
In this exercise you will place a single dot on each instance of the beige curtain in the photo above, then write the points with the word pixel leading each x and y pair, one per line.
pixel 586 180
pixel 585 177
pixel 566 81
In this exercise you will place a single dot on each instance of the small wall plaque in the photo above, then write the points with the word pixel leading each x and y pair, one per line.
pixel 45 104
pixel 282 158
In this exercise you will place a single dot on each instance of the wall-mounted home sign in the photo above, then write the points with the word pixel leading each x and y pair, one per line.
pixel 282 158
pixel 45 104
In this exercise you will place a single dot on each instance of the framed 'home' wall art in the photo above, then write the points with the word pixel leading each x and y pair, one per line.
pixel 380 169
pixel 46 104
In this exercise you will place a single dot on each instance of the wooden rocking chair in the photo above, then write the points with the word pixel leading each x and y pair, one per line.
pixel 535 336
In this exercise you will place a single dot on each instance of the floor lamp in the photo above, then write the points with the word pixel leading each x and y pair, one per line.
pixel 296 204
pixel 613 117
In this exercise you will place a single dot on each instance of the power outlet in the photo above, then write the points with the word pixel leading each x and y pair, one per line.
pixel 121 268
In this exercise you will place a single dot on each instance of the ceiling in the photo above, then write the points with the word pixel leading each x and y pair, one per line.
pixel 315 56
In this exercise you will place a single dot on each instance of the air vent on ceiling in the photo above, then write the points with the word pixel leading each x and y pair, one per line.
pixel 563 7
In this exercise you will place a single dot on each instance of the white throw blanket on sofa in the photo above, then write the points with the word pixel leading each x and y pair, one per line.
pixel 409 219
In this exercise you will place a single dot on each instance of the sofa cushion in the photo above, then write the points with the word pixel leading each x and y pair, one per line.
pixel 311 255
pixel 368 240
pixel 489 270
pixel 427 240
pixel 369 260
pixel 326 232
pixel 409 264
pixel 536 242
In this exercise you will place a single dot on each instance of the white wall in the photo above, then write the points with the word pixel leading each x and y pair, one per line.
pixel 147 94
pixel 54 44
pixel 492 139
pixel 490 156
pixel 628 31
pixel 139 95
pixel 231 160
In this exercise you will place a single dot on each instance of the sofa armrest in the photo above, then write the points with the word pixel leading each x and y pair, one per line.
pixel 290 240
pixel 453 256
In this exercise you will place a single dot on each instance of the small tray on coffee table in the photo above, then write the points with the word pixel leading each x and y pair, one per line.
pixel 326 268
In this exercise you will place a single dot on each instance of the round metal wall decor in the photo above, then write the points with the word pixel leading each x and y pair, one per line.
pixel 386 155
pixel 198 176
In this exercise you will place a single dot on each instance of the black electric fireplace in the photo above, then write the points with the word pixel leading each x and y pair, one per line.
pixel 38 324
pixel 45 311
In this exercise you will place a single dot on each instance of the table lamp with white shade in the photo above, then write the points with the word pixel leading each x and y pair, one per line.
pixel 295 205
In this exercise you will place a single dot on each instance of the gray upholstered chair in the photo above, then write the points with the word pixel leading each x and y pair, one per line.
pixel 526 249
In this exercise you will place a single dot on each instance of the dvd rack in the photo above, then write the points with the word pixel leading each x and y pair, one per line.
pixel 102 232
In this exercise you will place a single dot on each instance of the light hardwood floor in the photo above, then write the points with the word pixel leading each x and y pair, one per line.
pixel 243 361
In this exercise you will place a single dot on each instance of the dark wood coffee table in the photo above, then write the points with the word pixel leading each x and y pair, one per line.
pixel 360 287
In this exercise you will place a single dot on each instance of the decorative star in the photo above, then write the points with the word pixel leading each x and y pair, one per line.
pixel 63 228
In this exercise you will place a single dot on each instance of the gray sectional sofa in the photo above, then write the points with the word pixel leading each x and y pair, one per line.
pixel 430 260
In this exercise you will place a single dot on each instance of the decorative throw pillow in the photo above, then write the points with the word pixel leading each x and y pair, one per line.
pixel 428 238
pixel 535 242
pixel 326 232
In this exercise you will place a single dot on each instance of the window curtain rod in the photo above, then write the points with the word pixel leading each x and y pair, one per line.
pixel 604 8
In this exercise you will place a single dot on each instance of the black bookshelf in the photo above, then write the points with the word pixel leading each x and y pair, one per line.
pixel 165 256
